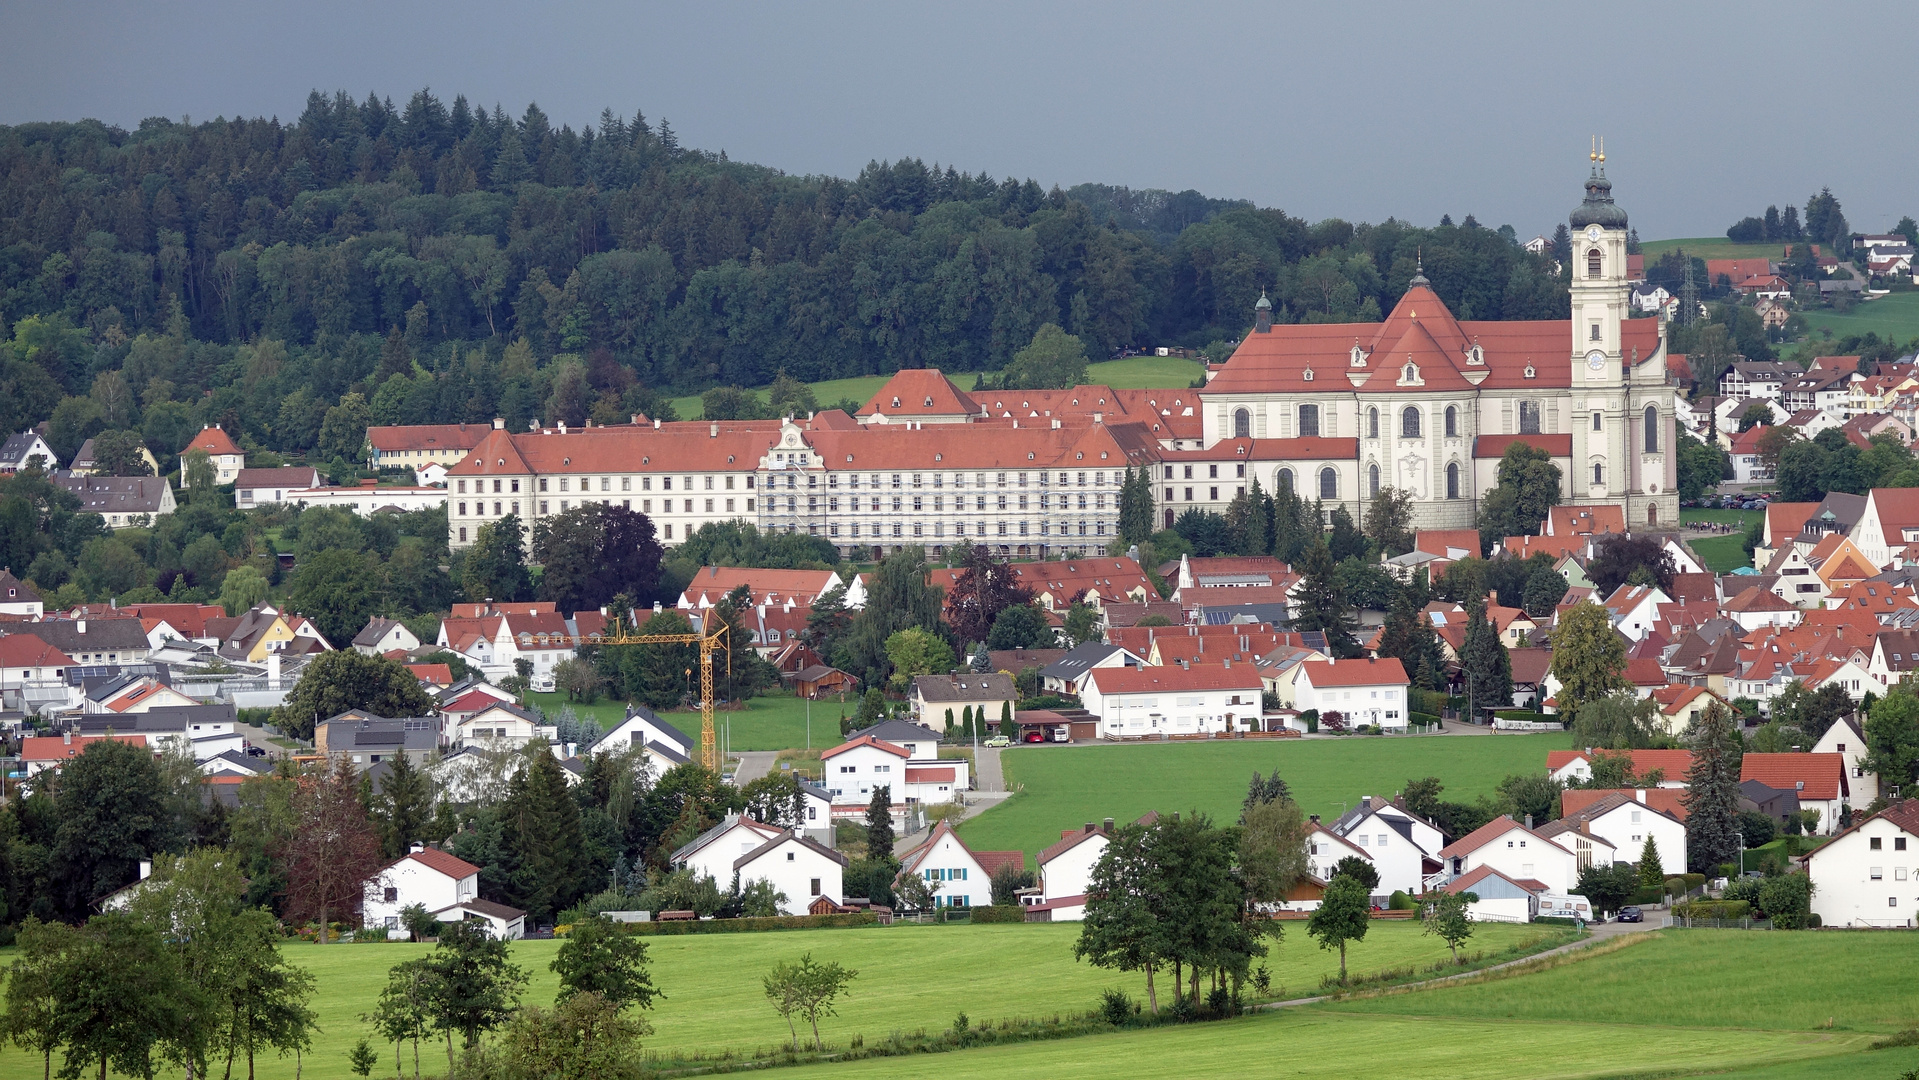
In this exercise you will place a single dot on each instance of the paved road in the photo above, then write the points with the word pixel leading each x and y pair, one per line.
pixel 987 765
pixel 753 765
pixel 1655 920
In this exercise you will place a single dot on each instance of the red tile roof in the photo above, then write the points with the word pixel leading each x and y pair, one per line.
pixel 1069 840
pixel 461 437
pixel 914 392
pixel 1370 671
pixel 866 740
pixel 713 583
pixel 1439 541
pixel 1644 671
pixel 1486 834
pixel 991 861
pixel 1147 680
pixel 476 611
pixel 1495 446
pixel 438 674
pixel 1747 442
pixel 1584 520
pixel 213 440
pixel 929 776
pixel 1673 764
pixel 1736 270
pixel 26 650
pixel 1824 775
pixel 451 866
pixel 57 748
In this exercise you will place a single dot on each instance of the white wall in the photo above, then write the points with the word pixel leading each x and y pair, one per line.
pixel 716 859
pixel 1519 854
pixel 1628 836
pixel 1071 872
pixel 793 868
pixel 1845 891
pixel 416 883
pixel 955 874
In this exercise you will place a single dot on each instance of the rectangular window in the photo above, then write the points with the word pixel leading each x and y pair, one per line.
pixel 1874 843
pixel 463 486
pixel 1898 843
pixel 542 506
pixel 709 503
pixel 542 483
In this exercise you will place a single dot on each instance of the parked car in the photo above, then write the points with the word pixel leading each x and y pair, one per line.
pixel 1631 914
pixel 998 741
pixel 1035 735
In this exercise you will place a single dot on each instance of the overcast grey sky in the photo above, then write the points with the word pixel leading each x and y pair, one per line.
pixel 1359 111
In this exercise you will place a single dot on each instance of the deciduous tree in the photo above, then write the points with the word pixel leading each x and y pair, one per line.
pixel 344 679
pixel 1589 657
pixel 1343 915
pixel 598 957
pixel 1449 918
pixel 333 848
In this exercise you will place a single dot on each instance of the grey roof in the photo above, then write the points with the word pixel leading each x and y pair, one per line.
pixel 14 591
pixel 375 629
pixel 117 494
pixel 972 686
pixel 676 753
pixel 670 753
pixel 485 907
pixel 895 730
pixel 254 765
pixel 1837 512
pixel 1079 660
pixel 15 450
pixel 66 635
pixel 707 837
pixel 815 790
pixel 165 718
pixel 420 733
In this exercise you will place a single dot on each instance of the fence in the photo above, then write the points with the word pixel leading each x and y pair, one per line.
pixel 1720 924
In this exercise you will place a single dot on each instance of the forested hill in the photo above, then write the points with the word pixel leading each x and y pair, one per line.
pixel 254 272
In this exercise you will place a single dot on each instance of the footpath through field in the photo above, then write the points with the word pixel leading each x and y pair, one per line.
pixel 1656 920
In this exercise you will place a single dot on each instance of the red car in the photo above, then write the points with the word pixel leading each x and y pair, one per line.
pixel 1034 736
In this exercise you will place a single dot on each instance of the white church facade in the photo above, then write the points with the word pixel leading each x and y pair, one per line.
pixel 1428 403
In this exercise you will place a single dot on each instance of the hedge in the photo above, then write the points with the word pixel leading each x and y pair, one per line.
pixel 999 913
pixel 1426 701
pixel 1656 895
pixel 1714 909
pixel 1424 718
pixel 1399 901
pixel 748 926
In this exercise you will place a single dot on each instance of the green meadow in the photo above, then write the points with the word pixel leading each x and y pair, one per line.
pixel 1063 787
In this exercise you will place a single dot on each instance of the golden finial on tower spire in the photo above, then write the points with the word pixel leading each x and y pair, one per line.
pixel 1593 155
pixel 1602 149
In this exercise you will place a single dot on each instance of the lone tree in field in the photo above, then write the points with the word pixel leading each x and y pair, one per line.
pixel 598 957
pixel 1449 920
pixel 1342 916
pixel 1120 929
pixel 808 988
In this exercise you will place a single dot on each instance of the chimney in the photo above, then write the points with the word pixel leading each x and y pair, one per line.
pixel 713 431
pixel 1639 794
pixel 415 848
pixel 1106 826
pixel 499 423
pixel 146 869
pixel 562 427
pixel 656 423
pixel 1313 819
pixel 1529 821
pixel 1089 827
pixel 66 738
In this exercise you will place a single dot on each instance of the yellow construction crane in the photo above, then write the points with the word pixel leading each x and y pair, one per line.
pixel 619 634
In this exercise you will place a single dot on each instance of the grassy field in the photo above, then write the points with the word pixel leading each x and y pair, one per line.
pixel 1132 373
pixel 714 1000
pixel 1062 787
pixel 1741 518
pixel 1748 1005
pixel 1722 552
pixel 1894 316
pixel 1712 247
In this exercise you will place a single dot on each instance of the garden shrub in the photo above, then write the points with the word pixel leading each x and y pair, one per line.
pixel 1116 1008
pixel 1399 901
pixel 1714 909
pixel 999 913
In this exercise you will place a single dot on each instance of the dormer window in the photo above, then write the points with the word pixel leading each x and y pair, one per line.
pixel 896 403
pixel 929 401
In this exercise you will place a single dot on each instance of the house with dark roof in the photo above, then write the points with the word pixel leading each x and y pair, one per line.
pixel 991 694
pixel 1068 674
pixel 446 886
pixel 27 448
pixel 270 487
pixel 1627 821
pixel 381 635
pixel 93 641
pixel 121 500
pixel 367 740
pixel 1401 845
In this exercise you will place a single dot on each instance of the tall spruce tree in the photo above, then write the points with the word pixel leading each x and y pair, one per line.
pixel 879 824
pixel 406 802
pixel 1489 670
pixel 1712 792
pixel 1136 505
pixel 1322 604
pixel 541 826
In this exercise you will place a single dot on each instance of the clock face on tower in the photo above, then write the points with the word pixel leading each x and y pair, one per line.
pixel 1592 232
pixel 1596 360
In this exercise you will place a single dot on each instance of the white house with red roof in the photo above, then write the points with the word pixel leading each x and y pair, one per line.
pixel 1575 766
pixel 1624 820
pixel 1843 738
pixel 227 457
pixel 39 753
pixel 141 694
pixel 1517 851
pixel 26 659
pixel 1819 780
pixel 1634 609
pixel 1365 691
pixel 446 886
pixel 1680 705
pixel 854 768
pixel 1868 875
pixel 1402 846
pixel 1066 866
pixel 1148 702
pixel 960 876
pixel 1890 522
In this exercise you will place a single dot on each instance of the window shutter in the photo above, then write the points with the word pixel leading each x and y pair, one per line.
pixel 1506 415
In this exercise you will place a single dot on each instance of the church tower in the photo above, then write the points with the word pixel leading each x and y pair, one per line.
pixel 1599 290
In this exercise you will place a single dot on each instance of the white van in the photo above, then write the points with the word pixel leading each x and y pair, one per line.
pixel 1557 906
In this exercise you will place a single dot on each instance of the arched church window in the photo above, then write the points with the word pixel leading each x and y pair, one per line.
pixel 1372 479
pixel 1652 429
pixel 1452 480
pixel 1284 480
pixel 1328 483
pixel 1593 262
pixel 1242 424
pixel 1599 473
pixel 1452 422
pixel 1409 423
pixel 1529 418
pixel 1372 423
pixel 1308 421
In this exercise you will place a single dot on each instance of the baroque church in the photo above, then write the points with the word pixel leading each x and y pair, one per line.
pixel 1428 403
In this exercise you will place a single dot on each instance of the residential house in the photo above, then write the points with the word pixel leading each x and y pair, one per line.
pixel 381 636
pixel 1868 875
pixel 39 753
pixel 1500 898
pixel 1747 465
pixel 133 693
pixel 1066 866
pixel 1069 673
pixel 712 853
pixel 665 745
pixel 800 869
pixel 1649 298
pixel 122 500
pixel 1402 846
pixel 1757 607
pixel 853 769
pixel 27 449
pixel 86 463
pixel 18 598
pixel 1155 702
pixel 1057 585
pixel 1818 780
pixel 445 886
pixel 501 724
pixel 226 457
pixel 920 742
pixel 269 487
pixel 1843 738
pixel 1889 523
pixel 203 730
pixel 711 584
pixel 1680 706
pixel 1366 691
pixel 1626 823
pixel 959 876
pixel 1515 850
pixel 935 696
pixel 1671 766
pixel 370 497
pixel 29 664
pixel 367 740
pixel 1634 609
pixel 1748 379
